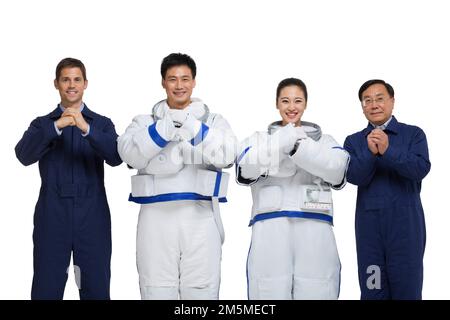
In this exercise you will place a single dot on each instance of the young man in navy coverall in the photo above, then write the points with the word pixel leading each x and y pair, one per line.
pixel 72 214
pixel 389 159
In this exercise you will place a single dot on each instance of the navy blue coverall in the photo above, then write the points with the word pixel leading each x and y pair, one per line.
pixel 72 213
pixel 390 224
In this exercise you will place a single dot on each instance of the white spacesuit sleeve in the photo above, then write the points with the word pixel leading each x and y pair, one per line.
pixel 324 159
pixel 215 141
pixel 253 158
pixel 262 154
pixel 143 140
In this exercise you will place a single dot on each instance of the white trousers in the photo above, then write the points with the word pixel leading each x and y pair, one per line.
pixel 293 258
pixel 178 251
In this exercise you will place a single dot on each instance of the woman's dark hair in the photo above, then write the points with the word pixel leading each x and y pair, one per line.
pixel 292 82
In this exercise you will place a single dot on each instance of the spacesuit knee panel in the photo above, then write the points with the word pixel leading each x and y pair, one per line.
pixel 315 289
pixel 159 293
pixel 271 288
pixel 204 293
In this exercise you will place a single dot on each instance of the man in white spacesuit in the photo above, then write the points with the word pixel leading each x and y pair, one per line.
pixel 291 170
pixel 179 151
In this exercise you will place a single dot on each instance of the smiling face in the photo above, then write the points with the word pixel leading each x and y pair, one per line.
pixel 291 104
pixel 178 83
pixel 71 85
pixel 377 104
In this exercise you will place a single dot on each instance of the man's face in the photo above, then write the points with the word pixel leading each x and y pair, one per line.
pixel 291 104
pixel 377 104
pixel 71 86
pixel 179 84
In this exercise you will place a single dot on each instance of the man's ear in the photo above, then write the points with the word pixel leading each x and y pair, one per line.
pixel 85 84
pixel 163 83
pixel 55 83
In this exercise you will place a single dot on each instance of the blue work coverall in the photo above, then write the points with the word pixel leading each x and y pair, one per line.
pixel 390 224
pixel 72 213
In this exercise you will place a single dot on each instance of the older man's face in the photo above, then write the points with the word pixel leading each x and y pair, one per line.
pixel 377 104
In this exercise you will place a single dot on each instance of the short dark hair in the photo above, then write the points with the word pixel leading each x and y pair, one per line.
pixel 178 59
pixel 369 83
pixel 292 82
pixel 70 63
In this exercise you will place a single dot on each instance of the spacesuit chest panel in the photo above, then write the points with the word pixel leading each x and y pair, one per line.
pixel 300 195
pixel 190 183
pixel 168 161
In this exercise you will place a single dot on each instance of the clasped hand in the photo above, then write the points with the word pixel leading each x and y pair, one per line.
pixel 72 117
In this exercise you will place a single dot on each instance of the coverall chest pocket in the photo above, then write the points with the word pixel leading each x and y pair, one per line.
pixel 87 151
pixel 55 150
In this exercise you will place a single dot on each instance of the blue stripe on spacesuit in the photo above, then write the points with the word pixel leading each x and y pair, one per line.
pixel 156 137
pixel 243 154
pixel 217 186
pixel 291 214
pixel 338 148
pixel 172 197
pixel 246 272
pixel 200 135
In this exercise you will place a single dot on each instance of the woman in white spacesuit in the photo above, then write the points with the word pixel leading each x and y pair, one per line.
pixel 291 169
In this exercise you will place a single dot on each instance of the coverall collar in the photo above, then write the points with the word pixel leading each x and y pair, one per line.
pixel 392 127
pixel 55 114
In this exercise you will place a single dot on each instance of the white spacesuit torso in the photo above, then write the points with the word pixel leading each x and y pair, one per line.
pixel 178 171
pixel 292 185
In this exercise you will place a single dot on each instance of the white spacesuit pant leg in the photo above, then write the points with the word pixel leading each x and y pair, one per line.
pixel 201 249
pixel 157 251
pixel 178 251
pixel 317 266
pixel 270 260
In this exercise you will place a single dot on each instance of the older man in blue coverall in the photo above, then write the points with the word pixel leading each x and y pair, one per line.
pixel 389 159
pixel 72 214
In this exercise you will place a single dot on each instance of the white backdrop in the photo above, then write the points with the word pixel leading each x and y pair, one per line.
pixel 242 49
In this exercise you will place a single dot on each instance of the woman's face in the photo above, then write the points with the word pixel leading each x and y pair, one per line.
pixel 291 103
